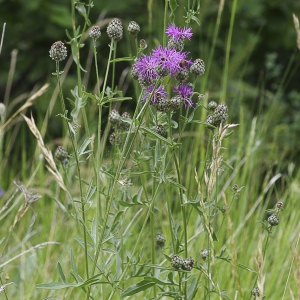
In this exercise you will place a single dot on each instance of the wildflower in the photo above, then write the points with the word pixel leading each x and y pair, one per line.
pixel 123 124
pixel 160 240
pixel 210 119
pixel 156 96
pixel 134 73
pixel 114 117
pixel 95 32
pixel 115 30
pixel 143 44
pixel 61 154
pixel 198 67
pixel 201 97
pixel 115 139
pixel 279 206
pixel 176 102
pixel 235 187
pixel 177 45
pixel 182 74
pixel 273 220
pixel 205 253
pixel 167 60
pixel 255 292
pixel 133 28
pixel 176 36
pixel 220 114
pixel 177 33
pixel 1 192
pixel 161 130
pixel 185 91
pixel 188 264
pixel 58 51
pixel 176 261
pixel 145 67
pixel 212 105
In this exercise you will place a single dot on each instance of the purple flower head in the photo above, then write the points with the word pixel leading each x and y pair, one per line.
pixel 185 91
pixel 1 192
pixel 159 93
pixel 145 68
pixel 178 33
pixel 169 59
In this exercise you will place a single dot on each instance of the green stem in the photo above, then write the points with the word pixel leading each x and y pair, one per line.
pixel 149 212
pixel 228 46
pixel 74 145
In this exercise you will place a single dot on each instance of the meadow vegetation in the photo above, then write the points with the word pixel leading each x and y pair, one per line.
pixel 154 169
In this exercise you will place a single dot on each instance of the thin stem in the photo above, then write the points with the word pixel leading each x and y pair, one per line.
pixel 136 244
pixel 228 46
pixel 78 171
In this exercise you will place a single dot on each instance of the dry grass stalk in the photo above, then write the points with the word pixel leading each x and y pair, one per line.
pixel 217 159
pixel 260 264
pixel 27 104
pixel 233 253
pixel 48 154
pixel 30 197
pixel 297 27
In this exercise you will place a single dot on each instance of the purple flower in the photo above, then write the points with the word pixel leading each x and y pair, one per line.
pixel 1 192
pixel 177 33
pixel 168 59
pixel 145 68
pixel 159 93
pixel 185 91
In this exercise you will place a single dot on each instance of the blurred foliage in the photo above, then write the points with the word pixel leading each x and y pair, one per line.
pixel 263 43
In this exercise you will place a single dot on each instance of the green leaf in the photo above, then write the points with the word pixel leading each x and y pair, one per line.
pixel 116 99
pixel 79 102
pixel 136 288
pixel 196 20
pixel 173 5
pixel 156 136
pixel 227 165
pixel 176 184
pixel 61 273
pixel 74 268
pixel 157 280
pixel 84 145
pixel 74 49
pixel 81 9
pixel 126 204
pixel 56 285
pixel 123 59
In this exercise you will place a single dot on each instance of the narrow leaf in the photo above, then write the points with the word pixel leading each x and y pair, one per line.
pixel 138 287
pixel 61 273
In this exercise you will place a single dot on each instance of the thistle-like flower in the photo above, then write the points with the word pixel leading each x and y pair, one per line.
pixel 58 51
pixel 161 130
pixel 255 292
pixel 115 30
pixel 95 32
pixel 160 240
pixel 114 117
pixel 188 264
pixel 176 261
pixel 61 155
pixel 185 91
pixel 198 67
pixel 205 253
pixel 133 28
pixel 273 220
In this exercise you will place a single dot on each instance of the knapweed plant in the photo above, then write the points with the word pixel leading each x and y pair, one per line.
pixel 153 217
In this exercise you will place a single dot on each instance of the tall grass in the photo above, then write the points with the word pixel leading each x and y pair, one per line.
pixel 133 210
